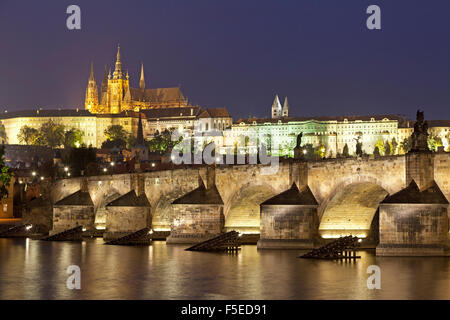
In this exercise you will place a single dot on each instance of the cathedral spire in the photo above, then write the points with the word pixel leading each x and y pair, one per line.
pixel 118 71
pixel 91 76
pixel 105 80
pixel 91 101
pixel 142 81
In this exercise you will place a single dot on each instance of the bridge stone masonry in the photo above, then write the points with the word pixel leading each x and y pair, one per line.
pixel 297 206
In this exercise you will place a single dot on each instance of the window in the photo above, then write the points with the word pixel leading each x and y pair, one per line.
pixel 5 207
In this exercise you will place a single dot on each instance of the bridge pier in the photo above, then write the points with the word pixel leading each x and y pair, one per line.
pixel 198 215
pixel 74 210
pixel 289 220
pixel 414 222
pixel 129 213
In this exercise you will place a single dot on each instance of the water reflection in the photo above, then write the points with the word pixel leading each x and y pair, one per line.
pixel 31 269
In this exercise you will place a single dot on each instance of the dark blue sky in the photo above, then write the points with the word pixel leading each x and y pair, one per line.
pixel 235 53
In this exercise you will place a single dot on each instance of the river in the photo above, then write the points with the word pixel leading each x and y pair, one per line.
pixel 33 269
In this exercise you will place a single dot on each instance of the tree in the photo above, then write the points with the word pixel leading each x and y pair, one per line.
pixel 116 132
pixel 73 138
pixel 308 152
pixel 131 140
pixel 380 146
pixel 92 169
pixel 28 135
pixel 320 151
pixel 51 134
pixel 359 150
pixel 434 142
pixel 387 148
pixel 376 152
pixel 5 175
pixel 79 158
pixel 394 145
pixel 268 143
pixel 345 151
pixel 406 144
pixel 48 169
pixel 447 138
pixel 3 136
pixel 108 144
pixel 162 142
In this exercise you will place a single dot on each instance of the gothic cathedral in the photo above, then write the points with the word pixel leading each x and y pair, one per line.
pixel 116 95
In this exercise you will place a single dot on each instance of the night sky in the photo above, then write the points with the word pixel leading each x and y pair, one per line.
pixel 235 53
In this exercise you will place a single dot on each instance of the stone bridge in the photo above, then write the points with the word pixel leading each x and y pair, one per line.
pixel 348 190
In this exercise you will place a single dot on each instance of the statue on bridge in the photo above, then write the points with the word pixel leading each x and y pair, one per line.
pixel 298 150
pixel 420 135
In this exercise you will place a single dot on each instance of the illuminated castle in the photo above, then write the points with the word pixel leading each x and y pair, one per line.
pixel 116 95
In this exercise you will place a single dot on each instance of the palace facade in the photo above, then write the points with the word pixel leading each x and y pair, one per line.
pixel 331 134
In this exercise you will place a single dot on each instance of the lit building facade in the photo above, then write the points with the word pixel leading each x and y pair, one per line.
pixel 189 120
pixel 117 96
pixel 331 134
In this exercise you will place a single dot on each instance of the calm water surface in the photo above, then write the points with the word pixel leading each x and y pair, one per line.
pixel 32 269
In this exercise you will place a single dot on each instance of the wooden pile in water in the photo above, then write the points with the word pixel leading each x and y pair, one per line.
pixel 16 231
pixel 74 234
pixel 339 249
pixel 228 241
pixel 139 238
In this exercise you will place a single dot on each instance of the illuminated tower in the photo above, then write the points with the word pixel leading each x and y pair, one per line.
pixel 276 108
pixel 91 101
pixel 285 108
pixel 118 85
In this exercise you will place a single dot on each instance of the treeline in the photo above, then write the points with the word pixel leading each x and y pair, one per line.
pixel 52 135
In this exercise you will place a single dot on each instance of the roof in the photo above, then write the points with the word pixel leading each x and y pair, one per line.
pixel 78 198
pixel 367 118
pixel 201 195
pixel 130 199
pixel 293 196
pixel 157 95
pixel 65 113
pixel 47 113
pixel 215 113
pixel 411 194
pixel 438 123
pixel 184 112
pixel 39 202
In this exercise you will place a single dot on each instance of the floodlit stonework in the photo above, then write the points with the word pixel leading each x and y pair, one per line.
pixel 116 95
pixel 243 188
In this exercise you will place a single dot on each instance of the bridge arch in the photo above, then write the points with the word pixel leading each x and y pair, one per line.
pixel 351 207
pixel 242 213
pixel 101 198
